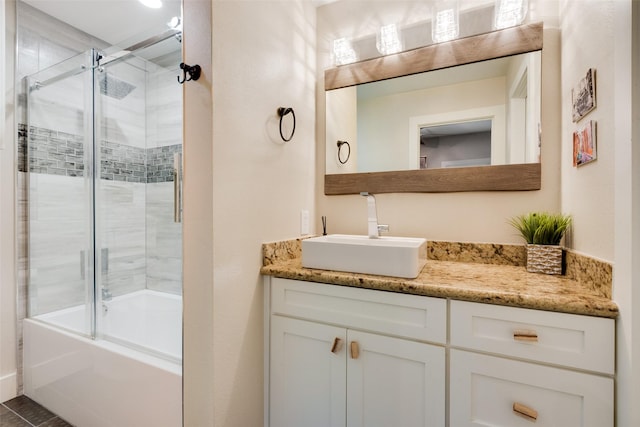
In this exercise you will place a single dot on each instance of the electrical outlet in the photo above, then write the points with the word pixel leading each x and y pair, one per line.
pixel 304 222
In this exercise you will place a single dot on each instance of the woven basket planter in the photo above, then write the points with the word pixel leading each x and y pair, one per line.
pixel 545 259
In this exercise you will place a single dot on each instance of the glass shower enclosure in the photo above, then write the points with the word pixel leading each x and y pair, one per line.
pixel 102 146
pixel 100 167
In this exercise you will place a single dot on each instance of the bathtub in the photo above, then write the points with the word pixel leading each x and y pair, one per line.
pixel 130 376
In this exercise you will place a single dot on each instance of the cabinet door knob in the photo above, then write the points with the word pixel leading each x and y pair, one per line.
pixel 355 350
pixel 525 411
pixel 527 336
pixel 337 343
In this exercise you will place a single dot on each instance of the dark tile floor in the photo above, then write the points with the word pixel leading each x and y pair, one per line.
pixel 24 412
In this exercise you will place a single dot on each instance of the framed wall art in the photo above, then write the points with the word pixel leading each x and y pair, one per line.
pixel 583 96
pixel 584 144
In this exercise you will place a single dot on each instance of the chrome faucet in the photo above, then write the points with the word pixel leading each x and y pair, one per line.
pixel 373 227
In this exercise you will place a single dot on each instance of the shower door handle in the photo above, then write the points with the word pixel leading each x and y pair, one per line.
pixel 177 187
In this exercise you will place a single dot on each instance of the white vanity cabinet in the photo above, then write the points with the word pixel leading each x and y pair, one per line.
pixel 352 357
pixel 343 356
pixel 515 367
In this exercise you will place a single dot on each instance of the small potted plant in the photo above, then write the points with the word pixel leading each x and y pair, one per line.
pixel 543 232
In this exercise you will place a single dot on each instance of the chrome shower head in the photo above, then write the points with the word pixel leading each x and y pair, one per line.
pixel 114 87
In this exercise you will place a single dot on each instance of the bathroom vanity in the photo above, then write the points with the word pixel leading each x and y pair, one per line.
pixel 464 344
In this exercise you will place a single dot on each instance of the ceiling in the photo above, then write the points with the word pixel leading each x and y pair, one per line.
pixel 117 22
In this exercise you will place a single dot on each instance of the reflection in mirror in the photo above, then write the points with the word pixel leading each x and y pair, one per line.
pixel 455 145
pixel 386 122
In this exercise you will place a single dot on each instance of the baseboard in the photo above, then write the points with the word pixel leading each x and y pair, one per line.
pixel 8 387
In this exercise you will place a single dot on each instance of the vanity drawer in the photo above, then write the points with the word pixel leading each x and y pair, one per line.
pixel 401 315
pixel 488 390
pixel 577 341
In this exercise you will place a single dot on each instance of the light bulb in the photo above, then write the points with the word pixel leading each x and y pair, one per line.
pixel 444 26
pixel 388 40
pixel 509 13
pixel 343 53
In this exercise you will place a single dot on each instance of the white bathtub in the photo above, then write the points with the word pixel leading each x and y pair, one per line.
pixel 131 377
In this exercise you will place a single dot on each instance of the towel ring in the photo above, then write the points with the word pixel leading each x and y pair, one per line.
pixel 340 144
pixel 282 111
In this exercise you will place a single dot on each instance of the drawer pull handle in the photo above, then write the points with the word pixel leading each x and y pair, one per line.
pixel 337 343
pixel 355 350
pixel 527 336
pixel 524 411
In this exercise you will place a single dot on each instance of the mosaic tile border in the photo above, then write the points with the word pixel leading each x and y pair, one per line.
pixel 60 153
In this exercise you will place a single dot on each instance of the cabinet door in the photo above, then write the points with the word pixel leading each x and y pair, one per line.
pixel 394 382
pixel 492 391
pixel 307 379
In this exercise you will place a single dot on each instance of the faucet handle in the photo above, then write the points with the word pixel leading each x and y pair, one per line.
pixel 383 227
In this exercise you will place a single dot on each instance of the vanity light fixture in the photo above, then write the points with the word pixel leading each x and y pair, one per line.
pixel 509 13
pixel 343 53
pixel 152 4
pixel 388 40
pixel 445 23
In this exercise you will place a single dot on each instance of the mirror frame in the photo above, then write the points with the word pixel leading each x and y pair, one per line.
pixel 496 44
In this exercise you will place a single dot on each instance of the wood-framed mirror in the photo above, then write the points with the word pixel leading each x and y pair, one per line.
pixel 447 58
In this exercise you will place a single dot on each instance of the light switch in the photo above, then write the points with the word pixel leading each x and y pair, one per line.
pixel 304 222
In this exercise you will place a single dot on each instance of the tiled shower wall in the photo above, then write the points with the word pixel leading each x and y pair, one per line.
pixel 135 197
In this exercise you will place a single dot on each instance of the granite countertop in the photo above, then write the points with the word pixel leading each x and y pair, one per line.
pixel 509 285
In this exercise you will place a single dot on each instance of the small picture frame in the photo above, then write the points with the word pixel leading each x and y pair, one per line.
pixel 583 96
pixel 584 144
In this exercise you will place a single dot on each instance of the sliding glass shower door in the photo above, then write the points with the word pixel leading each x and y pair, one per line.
pixel 60 143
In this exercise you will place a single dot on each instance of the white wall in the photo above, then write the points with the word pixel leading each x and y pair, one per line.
pixel 263 58
pixel 604 196
pixel 477 217
pixel 627 208
pixel 588 34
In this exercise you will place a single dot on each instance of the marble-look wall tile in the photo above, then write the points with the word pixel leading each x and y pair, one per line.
pixel 58 234
pixel 163 241
pixel 135 225
pixel 121 232
pixel 59 239
pixel 164 103
pixel 123 119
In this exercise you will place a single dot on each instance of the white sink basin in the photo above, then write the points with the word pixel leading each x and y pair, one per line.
pixel 385 256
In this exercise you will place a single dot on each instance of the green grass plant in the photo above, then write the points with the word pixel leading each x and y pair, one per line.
pixel 541 228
